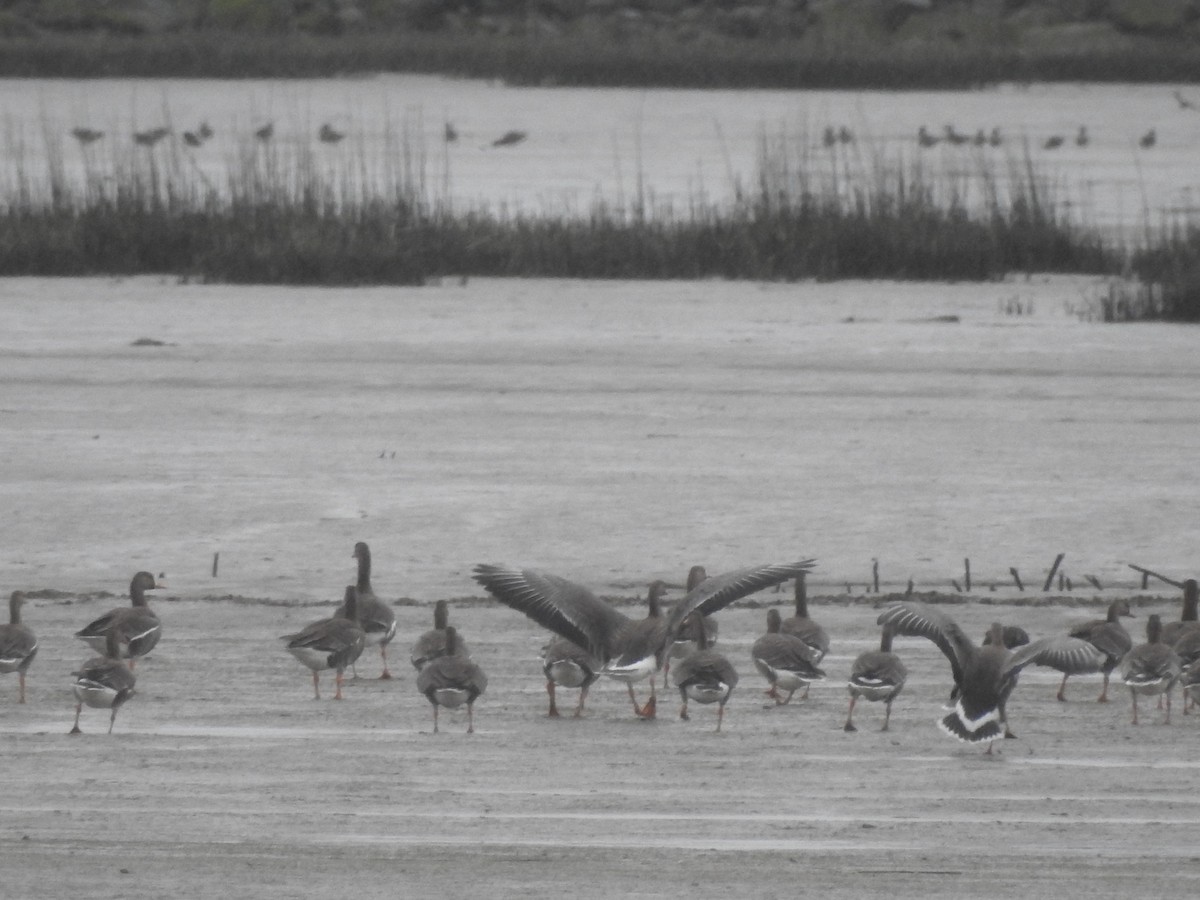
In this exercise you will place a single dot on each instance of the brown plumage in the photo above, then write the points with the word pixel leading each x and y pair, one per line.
pixel 1151 668
pixel 877 675
pixel 332 643
pixel 784 660
pixel 375 617
pixel 432 644
pixel 705 676
pixel 803 627
pixel 18 644
pixel 103 682
pixel 451 680
pixel 1108 636
pixel 566 664
pixel 137 626
pixel 626 650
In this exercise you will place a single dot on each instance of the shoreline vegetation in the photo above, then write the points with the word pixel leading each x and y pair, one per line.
pixel 283 217
pixel 285 220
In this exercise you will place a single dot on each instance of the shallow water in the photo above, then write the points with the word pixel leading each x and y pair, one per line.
pixel 583 144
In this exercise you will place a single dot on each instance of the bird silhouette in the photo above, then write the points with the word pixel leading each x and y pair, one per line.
pixel 1082 138
pixel 266 132
pixel 87 135
pixel 1184 102
pixel 509 138
pixel 1148 140
pixel 328 135
pixel 151 137
pixel 1053 142
pixel 450 133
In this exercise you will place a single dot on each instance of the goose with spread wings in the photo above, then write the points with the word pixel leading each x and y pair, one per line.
pixel 625 650
pixel 984 676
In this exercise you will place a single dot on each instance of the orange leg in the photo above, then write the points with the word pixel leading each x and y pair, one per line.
pixel 337 680
pixel 316 685
pixel 1062 689
pixel 470 718
pixel 78 710
pixel 582 696
pixel 553 714
pixel 849 726
pixel 386 675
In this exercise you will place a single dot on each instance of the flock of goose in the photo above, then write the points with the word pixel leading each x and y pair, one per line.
pixel 594 639
pixel 326 134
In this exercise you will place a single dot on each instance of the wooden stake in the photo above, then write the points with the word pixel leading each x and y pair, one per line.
pixel 875 575
pixel 1095 582
pixel 216 559
pixel 967 574
pixel 1149 572
pixel 1016 578
pixel 957 589
pixel 908 591
pixel 1054 568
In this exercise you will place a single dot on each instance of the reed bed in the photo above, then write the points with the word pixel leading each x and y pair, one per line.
pixel 281 214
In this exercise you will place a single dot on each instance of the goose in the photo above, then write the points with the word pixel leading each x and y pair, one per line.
pixel 449 133
pixel 784 660
pixel 332 643
pixel 87 136
pixel 1108 636
pixel 509 138
pixel 204 131
pixel 1053 142
pixel 432 644
pixel 693 629
pixel 103 682
pixel 984 676
pixel 925 139
pixel 955 137
pixel 328 135
pixel 1151 668
pixel 18 644
pixel 568 665
pixel 375 618
pixel 1148 140
pixel 877 675
pixel 628 650
pixel 138 628
pixel 265 132
pixel 1189 684
pixel 1173 631
pixel 192 139
pixel 805 628
pixel 451 680
pixel 1082 138
pixel 705 676
pixel 150 137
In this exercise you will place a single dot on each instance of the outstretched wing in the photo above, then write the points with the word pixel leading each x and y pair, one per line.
pixel 568 609
pixel 1072 656
pixel 718 591
pixel 920 620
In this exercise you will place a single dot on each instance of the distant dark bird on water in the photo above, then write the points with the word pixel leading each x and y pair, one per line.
pixel 830 137
pixel 509 138
pixel 204 132
pixel 1148 140
pixel 1082 138
pixel 87 135
pixel 1184 102
pixel 955 137
pixel 1053 142
pixel 450 133
pixel 192 139
pixel 151 137
pixel 924 138
pixel 266 132
pixel 328 135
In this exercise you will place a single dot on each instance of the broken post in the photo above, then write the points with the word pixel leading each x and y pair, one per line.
pixel 1016 578
pixel 216 559
pixel 875 575
pixel 1054 568
pixel 967 574
pixel 1152 574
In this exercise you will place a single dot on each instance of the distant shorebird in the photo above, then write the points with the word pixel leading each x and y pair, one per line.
pixel 1184 102
pixel 1082 138
pixel 1053 142
pixel 509 138
pixel 328 135
pixel 151 137
pixel 87 135
pixel 449 133
pixel 1148 140
pixel 266 132
pixel 994 139
pixel 204 131
pixel 955 138
pixel 845 135
pixel 192 139
pixel 924 138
